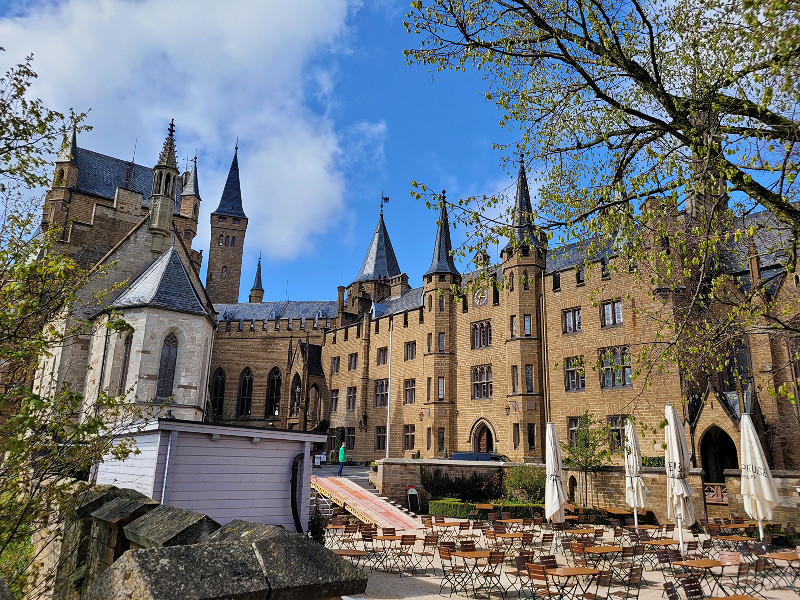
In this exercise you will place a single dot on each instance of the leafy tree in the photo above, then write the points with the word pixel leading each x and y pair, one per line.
pixel 586 450
pixel 656 131
pixel 525 483
pixel 47 446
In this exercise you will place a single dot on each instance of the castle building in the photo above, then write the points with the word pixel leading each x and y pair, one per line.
pixel 395 370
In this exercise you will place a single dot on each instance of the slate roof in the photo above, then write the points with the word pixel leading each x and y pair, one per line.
pixel 442 259
pixel 230 205
pixel 257 285
pixel 163 284
pixel 293 309
pixel 101 175
pixel 192 188
pixel 380 260
pixel 410 300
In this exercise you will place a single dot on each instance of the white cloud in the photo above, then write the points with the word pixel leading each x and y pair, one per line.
pixel 221 70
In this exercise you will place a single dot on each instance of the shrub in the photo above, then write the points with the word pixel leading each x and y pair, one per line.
pixel 525 483
pixel 472 488
pixel 653 461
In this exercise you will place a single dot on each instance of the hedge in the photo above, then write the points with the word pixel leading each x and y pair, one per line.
pixel 454 508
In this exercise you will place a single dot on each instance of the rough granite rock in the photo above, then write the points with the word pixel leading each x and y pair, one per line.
pixel 298 568
pixel 5 594
pixel 196 572
pixel 170 526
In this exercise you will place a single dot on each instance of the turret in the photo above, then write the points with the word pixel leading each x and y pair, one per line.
pixel 257 291
pixel 524 233
pixel 162 197
pixel 228 228
pixel 190 202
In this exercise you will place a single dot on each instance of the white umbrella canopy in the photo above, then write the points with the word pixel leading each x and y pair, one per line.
pixel 676 459
pixel 759 493
pixel 635 494
pixel 555 498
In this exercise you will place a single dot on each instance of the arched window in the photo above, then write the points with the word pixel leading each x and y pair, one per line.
pixel 126 358
pixel 227 240
pixel 221 240
pixel 525 283
pixel 217 392
pixel 157 183
pixel 245 402
pixel 233 242
pixel 59 180
pixel 274 394
pixel 224 272
pixel 166 367
pixel 296 397
pixel 168 185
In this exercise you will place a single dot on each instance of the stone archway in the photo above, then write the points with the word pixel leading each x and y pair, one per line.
pixel 483 440
pixel 717 453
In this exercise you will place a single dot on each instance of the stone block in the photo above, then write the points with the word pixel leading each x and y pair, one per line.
pixel 298 568
pixel 124 509
pixel 200 571
pixel 169 526
pixel 244 531
pixel 5 594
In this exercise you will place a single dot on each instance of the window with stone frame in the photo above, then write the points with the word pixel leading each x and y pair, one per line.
pixel 556 282
pixel 514 379
pixel 430 341
pixel 441 341
pixel 352 361
pixel 531 437
pixel 409 391
pixel 244 402
pixel 166 367
pixel 481 334
pixel 410 351
pixel 615 367
pixel 334 365
pixel 580 276
pixel 574 374
pixel 528 379
pixel 571 321
pixel 351 398
pixel 573 424
pixel 610 313
pixel 217 393
pixel 126 359
pixel 383 353
pixel 441 443
pixel 441 303
pixel 441 389
pixel 526 320
pixel 380 437
pixel 350 438
pixel 381 392
pixel 481 382
pixel 616 432
pixel 334 400
pixel 513 326
pixel 274 380
pixel 408 437
pixel 516 435
pixel 429 437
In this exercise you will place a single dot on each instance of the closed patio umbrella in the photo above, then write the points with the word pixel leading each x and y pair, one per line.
pixel 676 459
pixel 555 498
pixel 759 493
pixel 635 495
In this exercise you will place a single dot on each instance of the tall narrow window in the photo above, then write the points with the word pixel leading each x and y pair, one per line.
pixel 482 381
pixel 531 437
pixel 245 402
pixel 574 374
pixel 441 439
pixel 218 393
pixel 526 287
pixel 441 303
pixel 580 277
pixel 516 436
pixel 429 436
pixel 408 437
pixel 556 282
pixel 513 326
pixel 126 358
pixel 429 389
pixel 381 392
pixel 233 242
pixel 409 391
pixel 514 379
pixel 224 272
pixel 430 341
pixel 527 324
pixel 221 240
pixel 529 379
pixel 351 398
pixel 274 394
pixel 166 367
pixel 334 400
pixel 441 341
pixel 227 240
pixel 380 437
pixel 441 389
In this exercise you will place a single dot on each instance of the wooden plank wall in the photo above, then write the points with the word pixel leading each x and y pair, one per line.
pixel 137 472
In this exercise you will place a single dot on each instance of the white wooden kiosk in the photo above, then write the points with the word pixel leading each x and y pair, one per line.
pixel 225 471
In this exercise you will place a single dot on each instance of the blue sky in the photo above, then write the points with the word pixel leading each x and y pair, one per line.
pixel 327 113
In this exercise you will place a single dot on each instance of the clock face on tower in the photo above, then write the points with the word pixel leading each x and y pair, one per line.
pixel 479 298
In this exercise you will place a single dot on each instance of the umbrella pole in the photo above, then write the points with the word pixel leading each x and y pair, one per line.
pixel 635 516
pixel 760 530
pixel 680 534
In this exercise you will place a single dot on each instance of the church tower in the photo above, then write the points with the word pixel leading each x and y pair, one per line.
pixel 162 198
pixel 228 226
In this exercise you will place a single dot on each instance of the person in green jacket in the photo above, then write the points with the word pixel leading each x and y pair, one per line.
pixel 342 458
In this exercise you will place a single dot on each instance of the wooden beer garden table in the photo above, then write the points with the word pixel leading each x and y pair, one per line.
pixel 585 531
pixel 509 538
pixel 565 574
pixel 606 553
pixel 705 565
pixel 619 511
pixel 353 555
pixel 641 526
pixel 659 542
pixel 471 560
pixel 789 572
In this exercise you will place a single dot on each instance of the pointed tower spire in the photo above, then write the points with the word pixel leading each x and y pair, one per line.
pixel 524 229
pixel 168 156
pixel 191 188
pixel 68 151
pixel 380 261
pixel 257 291
pixel 442 258
pixel 230 205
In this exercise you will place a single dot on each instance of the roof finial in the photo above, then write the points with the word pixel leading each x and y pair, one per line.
pixel 384 200
pixel 236 149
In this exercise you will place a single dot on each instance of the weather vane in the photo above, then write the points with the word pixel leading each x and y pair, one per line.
pixel 384 200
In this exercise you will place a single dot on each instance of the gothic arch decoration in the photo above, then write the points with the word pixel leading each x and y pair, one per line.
pixel 717 453
pixel 217 392
pixel 244 403
pixel 274 381
pixel 573 488
pixel 166 367
pixel 316 402
pixel 482 435
pixel 296 396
